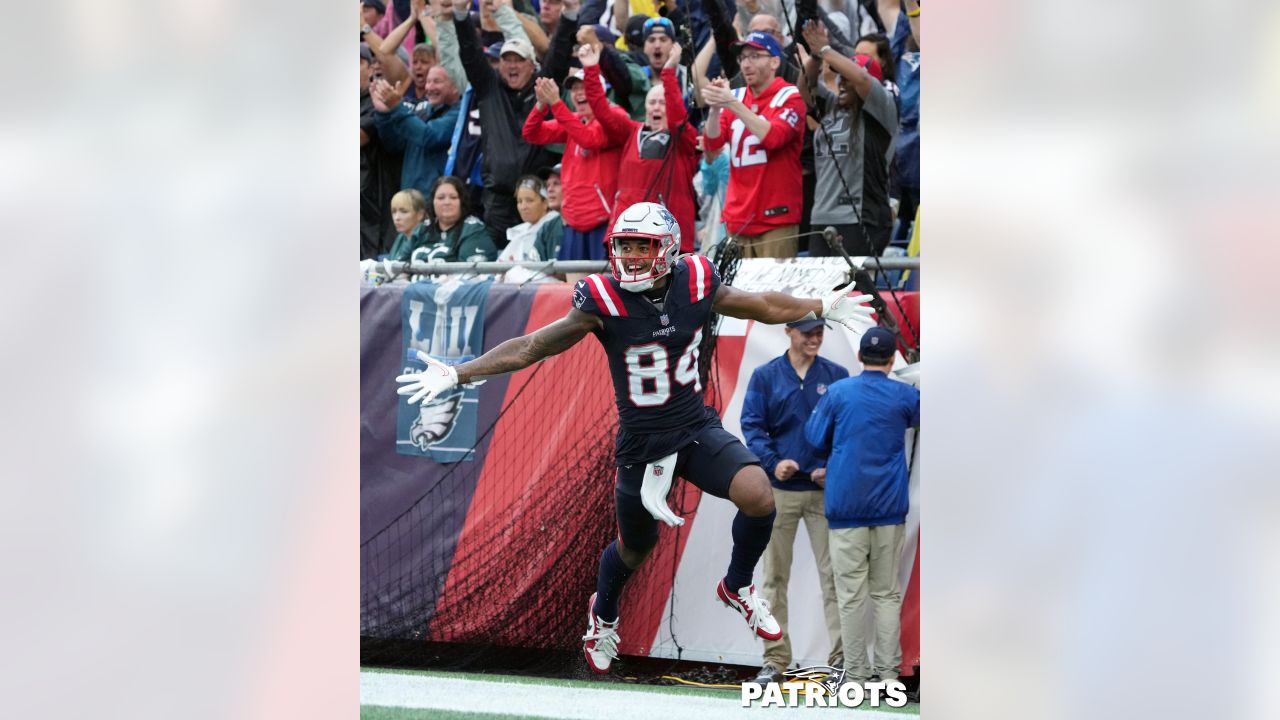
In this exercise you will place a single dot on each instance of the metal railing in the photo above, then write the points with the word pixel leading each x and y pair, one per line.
pixel 577 266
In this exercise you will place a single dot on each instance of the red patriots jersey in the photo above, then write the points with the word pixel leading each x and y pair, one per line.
pixel 765 184
pixel 653 351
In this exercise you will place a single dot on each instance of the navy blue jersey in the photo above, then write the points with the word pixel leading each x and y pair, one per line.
pixel 652 352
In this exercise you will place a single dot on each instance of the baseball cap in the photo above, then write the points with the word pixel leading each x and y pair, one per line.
pixel 517 46
pixel 761 41
pixel 607 36
pixel 871 65
pixel 805 326
pixel 655 25
pixel 494 50
pixel 877 343
pixel 366 54
pixel 635 30
pixel 577 74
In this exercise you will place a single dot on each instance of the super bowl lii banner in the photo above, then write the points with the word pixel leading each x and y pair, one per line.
pixel 445 321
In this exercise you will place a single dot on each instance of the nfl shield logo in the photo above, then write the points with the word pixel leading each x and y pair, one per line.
pixel 657 469
pixel 664 320
pixel 822 388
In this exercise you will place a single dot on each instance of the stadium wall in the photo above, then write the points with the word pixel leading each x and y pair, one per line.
pixel 438 540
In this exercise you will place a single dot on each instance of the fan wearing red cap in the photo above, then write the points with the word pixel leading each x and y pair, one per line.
pixel 852 147
pixel 763 127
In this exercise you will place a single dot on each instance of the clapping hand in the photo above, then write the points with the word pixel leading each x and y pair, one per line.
pixel 547 92
pixel 377 90
pixel 717 93
pixel 386 97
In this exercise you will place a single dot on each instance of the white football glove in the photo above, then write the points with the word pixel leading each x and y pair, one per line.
pixel 429 383
pixel 846 309
pixel 653 492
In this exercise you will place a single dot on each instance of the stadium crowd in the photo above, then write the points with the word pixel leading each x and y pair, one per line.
pixel 519 129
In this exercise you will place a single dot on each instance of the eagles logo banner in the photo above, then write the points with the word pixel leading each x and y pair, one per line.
pixel 445 321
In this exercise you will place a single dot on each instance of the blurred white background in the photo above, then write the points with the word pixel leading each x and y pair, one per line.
pixel 178 193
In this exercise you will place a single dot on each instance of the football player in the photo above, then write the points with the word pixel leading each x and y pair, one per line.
pixel 650 313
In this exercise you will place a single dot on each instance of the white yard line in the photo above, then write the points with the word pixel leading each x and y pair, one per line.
pixel 557 701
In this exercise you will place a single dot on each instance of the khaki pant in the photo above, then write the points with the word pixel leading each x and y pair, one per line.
pixel 777 243
pixel 792 506
pixel 865 561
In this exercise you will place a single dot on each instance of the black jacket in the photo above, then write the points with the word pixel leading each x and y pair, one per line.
pixel 502 110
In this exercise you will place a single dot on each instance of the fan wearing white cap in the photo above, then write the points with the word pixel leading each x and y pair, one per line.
pixel 650 313
pixel 504 98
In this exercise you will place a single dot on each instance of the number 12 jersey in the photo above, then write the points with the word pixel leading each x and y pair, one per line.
pixel 765 188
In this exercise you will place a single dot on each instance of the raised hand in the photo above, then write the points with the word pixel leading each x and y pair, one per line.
pixel 815 34
pixel 673 58
pixel 588 55
pixel 587 36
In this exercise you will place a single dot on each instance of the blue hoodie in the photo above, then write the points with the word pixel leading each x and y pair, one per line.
pixel 863 422
pixel 774 412
pixel 425 143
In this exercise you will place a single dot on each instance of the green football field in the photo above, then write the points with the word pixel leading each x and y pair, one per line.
pixel 404 694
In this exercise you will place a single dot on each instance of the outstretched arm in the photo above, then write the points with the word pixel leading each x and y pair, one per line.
pixel 514 354
pixel 766 307
pixel 519 353
pixel 775 307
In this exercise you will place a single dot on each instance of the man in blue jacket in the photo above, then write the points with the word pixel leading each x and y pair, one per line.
pixel 780 398
pixel 863 421
pixel 424 139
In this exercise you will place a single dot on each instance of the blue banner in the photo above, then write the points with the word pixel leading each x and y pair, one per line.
pixel 445 321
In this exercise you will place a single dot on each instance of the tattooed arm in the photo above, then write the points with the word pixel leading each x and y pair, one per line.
pixel 519 353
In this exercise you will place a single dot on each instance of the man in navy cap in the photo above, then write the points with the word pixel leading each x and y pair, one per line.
pixel 863 421
pixel 780 398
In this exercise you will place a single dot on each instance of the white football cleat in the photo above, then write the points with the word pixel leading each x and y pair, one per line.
pixel 600 644
pixel 752 607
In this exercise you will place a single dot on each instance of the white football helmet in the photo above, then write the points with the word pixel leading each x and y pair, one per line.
pixel 645 221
